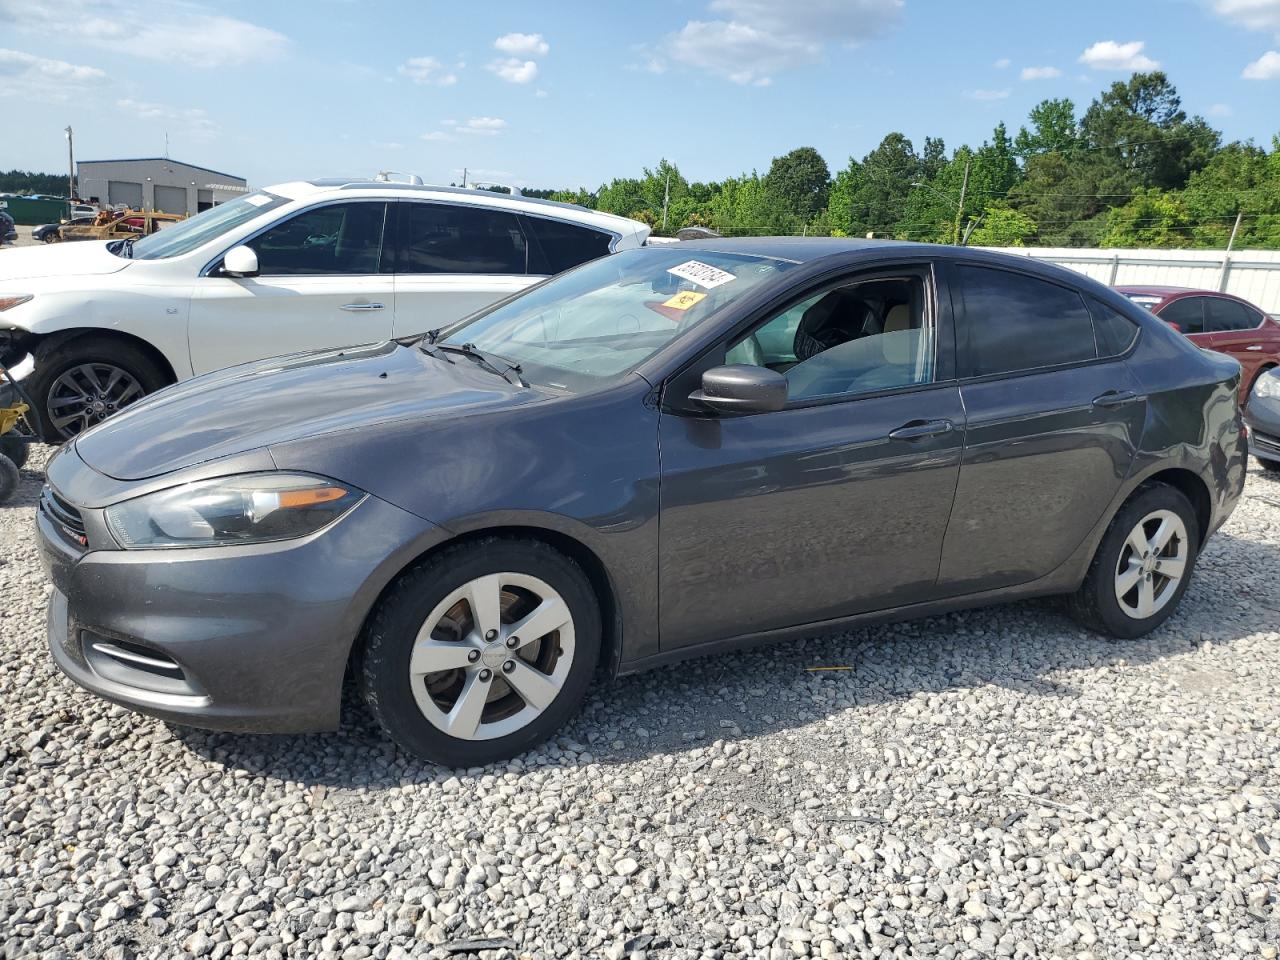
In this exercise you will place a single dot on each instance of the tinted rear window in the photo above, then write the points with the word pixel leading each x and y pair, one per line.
pixel 1224 314
pixel 1115 331
pixel 556 246
pixel 444 238
pixel 1015 322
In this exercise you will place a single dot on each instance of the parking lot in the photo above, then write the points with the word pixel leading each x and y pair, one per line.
pixel 996 782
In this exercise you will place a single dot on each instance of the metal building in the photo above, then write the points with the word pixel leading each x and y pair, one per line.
pixel 156 183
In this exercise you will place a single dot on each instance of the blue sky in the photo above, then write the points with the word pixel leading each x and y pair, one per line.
pixel 572 93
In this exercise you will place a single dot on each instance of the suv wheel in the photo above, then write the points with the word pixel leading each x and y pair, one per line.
pixel 1142 567
pixel 481 652
pixel 81 382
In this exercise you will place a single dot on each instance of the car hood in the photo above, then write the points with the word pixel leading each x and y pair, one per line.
pixel 82 258
pixel 267 402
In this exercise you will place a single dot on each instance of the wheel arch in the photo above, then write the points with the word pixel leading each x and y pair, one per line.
pixel 596 572
pixel 1192 486
pixel 43 343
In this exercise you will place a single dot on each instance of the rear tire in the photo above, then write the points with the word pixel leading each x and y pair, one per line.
pixel 61 384
pixel 1273 466
pixel 16 450
pixel 9 478
pixel 425 648
pixel 1130 589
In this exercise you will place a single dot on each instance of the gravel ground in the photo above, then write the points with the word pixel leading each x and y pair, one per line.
pixel 996 783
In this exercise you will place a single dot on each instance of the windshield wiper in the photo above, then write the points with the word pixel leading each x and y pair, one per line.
pixel 500 365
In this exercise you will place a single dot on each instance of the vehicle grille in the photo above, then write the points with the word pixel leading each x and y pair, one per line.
pixel 66 517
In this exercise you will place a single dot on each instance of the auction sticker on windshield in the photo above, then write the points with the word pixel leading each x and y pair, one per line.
pixel 685 299
pixel 703 274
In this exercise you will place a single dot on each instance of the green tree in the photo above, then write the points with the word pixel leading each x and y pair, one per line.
pixel 1002 226
pixel 1053 128
pixel 797 182
pixel 1153 218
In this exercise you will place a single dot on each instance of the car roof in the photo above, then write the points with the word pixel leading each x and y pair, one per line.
pixel 1157 290
pixel 298 189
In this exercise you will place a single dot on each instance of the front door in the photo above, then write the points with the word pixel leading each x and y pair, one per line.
pixel 453 260
pixel 1238 331
pixel 1052 428
pixel 322 282
pixel 832 506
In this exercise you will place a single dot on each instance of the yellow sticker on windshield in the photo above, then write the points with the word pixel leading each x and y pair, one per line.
pixel 685 299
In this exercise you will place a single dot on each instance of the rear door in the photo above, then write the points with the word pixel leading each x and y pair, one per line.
pixel 452 259
pixel 1235 329
pixel 322 282
pixel 1053 419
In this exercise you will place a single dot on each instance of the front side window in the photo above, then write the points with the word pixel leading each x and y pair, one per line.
pixel 558 246
pixel 186 236
pixel 1187 314
pixel 337 239
pixel 608 316
pixel 448 238
pixel 1015 322
pixel 854 339
pixel 1224 315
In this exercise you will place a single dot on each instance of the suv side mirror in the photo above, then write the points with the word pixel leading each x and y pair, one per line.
pixel 240 262
pixel 742 388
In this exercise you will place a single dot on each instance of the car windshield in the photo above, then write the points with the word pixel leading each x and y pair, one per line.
pixel 184 237
pixel 608 316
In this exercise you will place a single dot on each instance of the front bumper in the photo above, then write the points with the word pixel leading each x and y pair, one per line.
pixel 242 638
pixel 1263 418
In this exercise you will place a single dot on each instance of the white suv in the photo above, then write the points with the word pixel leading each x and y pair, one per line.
pixel 298 266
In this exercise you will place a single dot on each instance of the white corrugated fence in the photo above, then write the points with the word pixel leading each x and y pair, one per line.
pixel 1252 274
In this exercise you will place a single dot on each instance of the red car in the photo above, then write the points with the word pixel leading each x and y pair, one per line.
pixel 1217 321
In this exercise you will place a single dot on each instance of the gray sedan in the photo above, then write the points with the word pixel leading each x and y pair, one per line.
pixel 668 452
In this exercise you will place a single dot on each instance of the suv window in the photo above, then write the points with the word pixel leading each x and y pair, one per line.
pixel 1114 331
pixel 857 338
pixel 1014 322
pixel 1224 314
pixel 451 238
pixel 1187 313
pixel 337 238
pixel 557 246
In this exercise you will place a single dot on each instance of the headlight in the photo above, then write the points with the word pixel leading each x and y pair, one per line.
pixel 1268 386
pixel 8 300
pixel 253 508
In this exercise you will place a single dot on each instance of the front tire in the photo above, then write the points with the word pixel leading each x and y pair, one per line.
pixel 1142 566
pixel 15 450
pixel 481 652
pixel 1271 466
pixel 9 478
pixel 81 382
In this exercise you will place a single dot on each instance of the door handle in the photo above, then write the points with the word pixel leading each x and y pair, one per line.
pixel 921 428
pixel 362 306
pixel 1114 398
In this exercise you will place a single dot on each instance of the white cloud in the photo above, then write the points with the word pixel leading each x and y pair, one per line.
pixel 522 45
pixel 427 71
pixel 1002 64
pixel 38 78
pixel 1254 14
pixel 1219 110
pixel 437 136
pixel 1266 67
pixel 514 70
pixel 1110 55
pixel 753 40
pixel 192 121
pixel 1040 73
pixel 987 94
pixel 486 126
pixel 541 94
pixel 178 32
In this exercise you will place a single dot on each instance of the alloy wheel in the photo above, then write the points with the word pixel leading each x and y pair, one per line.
pixel 1152 564
pixel 87 394
pixel 491 656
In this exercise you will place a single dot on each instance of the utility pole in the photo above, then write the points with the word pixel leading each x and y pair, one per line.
pixel 464 176
pixel 964 187
pixel 666 198
pixel 71 166
pixel 1226 257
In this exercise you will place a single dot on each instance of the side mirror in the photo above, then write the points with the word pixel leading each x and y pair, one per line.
pixel 240 262
pixel 742 388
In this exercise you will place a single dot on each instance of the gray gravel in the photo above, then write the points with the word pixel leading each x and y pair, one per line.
pixel 997 783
